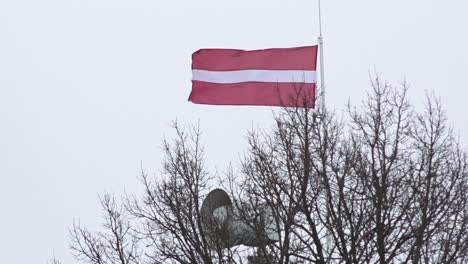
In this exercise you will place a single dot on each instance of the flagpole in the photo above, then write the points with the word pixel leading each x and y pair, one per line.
pixel 322 70
pixel 322 90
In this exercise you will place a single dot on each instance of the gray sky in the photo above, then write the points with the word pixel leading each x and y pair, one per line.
pixel 88 88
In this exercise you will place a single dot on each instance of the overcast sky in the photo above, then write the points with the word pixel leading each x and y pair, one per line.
pixel 89 87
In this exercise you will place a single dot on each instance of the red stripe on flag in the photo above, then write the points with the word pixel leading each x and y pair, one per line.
pixel 254 93
pixel 300 58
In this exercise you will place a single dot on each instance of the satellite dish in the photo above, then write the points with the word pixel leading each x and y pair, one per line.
pixel 225 228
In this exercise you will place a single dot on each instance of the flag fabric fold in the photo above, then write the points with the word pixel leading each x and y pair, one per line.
pixel 269 77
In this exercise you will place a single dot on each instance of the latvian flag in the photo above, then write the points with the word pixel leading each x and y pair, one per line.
pixel 270 77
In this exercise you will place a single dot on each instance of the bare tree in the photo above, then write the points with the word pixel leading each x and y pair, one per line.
pixel 117 244
pixel 388 185
pixel 54 260
pixel 166 221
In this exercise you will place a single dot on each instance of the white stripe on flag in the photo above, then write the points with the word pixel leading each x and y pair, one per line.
pixel 274 76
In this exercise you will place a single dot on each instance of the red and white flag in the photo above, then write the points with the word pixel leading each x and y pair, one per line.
pixel 270 77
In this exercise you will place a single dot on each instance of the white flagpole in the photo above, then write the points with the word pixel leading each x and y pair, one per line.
pixel 322 91
pixel 322 70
